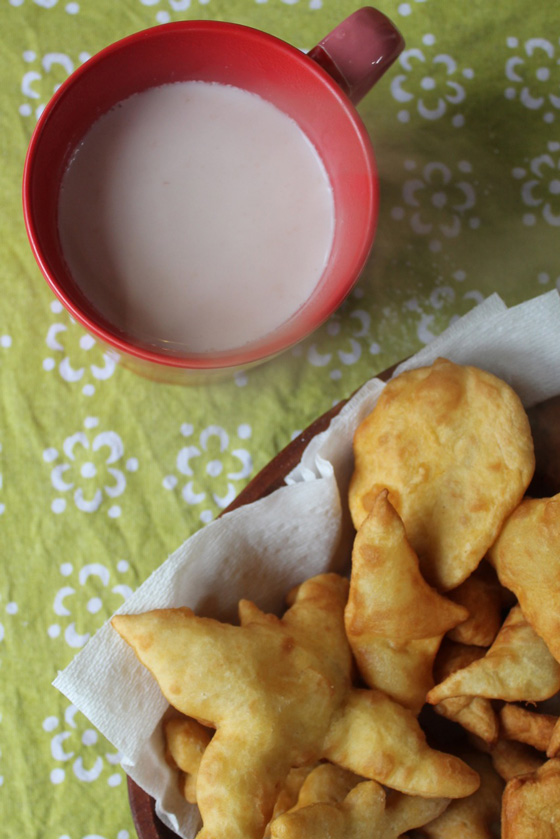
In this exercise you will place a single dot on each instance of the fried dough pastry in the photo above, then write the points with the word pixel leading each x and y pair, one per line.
pixel 453 446
pixel 365 812
pixel 527 561
pixel 531 804
pixel 517 667
pixel 278 693
pixel 379 739
pixel 326 783
pixel 475 817
pixel 394 620
pixel 270 689
pixel 289 793
pixel 474 713
pixel 525 726
pixel 481 595
pixel 186 740
pixel 510 758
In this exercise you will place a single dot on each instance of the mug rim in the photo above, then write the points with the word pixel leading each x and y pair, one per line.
pixel 250 353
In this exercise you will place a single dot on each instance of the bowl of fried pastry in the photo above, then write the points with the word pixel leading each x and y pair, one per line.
pixel 414 694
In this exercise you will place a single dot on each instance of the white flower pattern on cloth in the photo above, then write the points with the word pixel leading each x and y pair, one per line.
pixel 89 591
pixel 540 190
pixel 438 202
pixel 78 749
pixel 357 340
pixel 44 77
pixel 86 471
pixel 209 457
pixel 534 72
pixel 71 353
pixel 432 83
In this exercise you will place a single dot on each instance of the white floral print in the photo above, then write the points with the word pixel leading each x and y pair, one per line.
pixel 75 354
pixel 90 590
pixel 209 456
pixel 540 188
pixel 438 201
pixel 69 736
pixel 90 470
pixel 431 85
pixel 534 75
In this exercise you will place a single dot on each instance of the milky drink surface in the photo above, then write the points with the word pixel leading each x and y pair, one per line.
pixel 196 215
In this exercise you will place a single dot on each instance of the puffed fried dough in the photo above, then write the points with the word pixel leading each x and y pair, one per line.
pixel 474 713
pixel 527 560
pixel 365 812
pixel 517 667
pixel 526 726
pixel 481 595
pixel 326 783
pixel 268 690
pixel 511 758
pixel 288 795
pixel 403 671
pixel 186 739
pixel 531 804
pixel 394 620
pixel 274 688
pixel 388 595
pixel 379 739
pixel 453 446
pixel 474 817
pixel 353 818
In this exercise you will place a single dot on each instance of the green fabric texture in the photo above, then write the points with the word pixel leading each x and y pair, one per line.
pixel 104 473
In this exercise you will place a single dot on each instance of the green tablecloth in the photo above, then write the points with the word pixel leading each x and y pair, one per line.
pixel 102 473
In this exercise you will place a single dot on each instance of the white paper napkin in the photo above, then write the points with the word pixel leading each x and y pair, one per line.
pixel 261 550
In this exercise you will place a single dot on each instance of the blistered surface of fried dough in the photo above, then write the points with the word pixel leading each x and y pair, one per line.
pixel 531 804
pixel 364 813
pixel 517 667
pixel 481 595
pixel 527 560
pixel 474 817
pixel 394 620
pixel 474 713
pixel 270 688
pixel 379 739
pixel 526 726
pixel 453 446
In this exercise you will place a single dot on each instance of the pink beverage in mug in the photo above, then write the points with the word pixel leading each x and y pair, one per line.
pixel 190 257
pixel 197 215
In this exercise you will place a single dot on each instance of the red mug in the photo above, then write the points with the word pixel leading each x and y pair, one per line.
pixel 318 90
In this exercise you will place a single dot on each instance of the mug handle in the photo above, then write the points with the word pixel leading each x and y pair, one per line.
pixel 359 50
